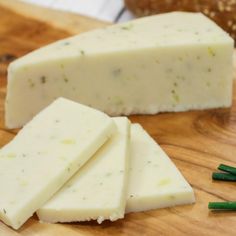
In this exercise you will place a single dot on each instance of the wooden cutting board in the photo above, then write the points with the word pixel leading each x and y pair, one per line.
pixel 196 141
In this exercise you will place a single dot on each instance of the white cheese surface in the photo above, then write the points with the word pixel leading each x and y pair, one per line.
pixel 154 181
pixel 45 154
pixel 168 62
pixel 98 191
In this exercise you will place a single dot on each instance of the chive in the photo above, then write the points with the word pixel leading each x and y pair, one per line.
pixel 229 169
pixel 222 205
pixel 223 176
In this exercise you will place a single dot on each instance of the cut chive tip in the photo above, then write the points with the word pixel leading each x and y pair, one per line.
pixel 228 169
pixel 223 176
pixel 222 205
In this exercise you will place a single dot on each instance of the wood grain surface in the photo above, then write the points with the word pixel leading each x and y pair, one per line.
pixel 196 141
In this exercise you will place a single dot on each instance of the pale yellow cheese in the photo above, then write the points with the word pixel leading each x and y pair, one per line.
pixel 154 181
pixel 45 154
pixel 98 191
pixel 168 62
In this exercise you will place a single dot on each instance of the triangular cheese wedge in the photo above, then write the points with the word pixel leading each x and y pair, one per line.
pixel 154 180
pixel 169 62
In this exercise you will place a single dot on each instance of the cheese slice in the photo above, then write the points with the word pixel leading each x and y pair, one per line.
pixel 45 154
pixel 154 181
pixel 99 190
pixel 169 62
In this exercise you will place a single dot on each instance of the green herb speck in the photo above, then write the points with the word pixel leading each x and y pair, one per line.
pixel 4 211
pixel 68 141
pixel 116 72
pixel 164 182
pixel 180 77
pixel 108 174
pixel 66 43
pixel 175 96
pixel 169 70
pixel 11 155
pixel 31 83
pixel 117 101
pixel 127 27
pixel 211 52
pixel 66 80
pixel 82 52
pixel 209 70
pixel 43 79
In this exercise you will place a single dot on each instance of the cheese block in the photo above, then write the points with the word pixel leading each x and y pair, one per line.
pixel 154 181
pixel 169 62
pixel 98 191
pixel 45 154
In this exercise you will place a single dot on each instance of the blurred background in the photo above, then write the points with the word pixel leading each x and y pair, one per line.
pixel 107 10
pixel 223 12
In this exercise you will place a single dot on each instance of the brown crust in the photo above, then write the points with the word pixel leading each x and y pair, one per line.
pixel 223 12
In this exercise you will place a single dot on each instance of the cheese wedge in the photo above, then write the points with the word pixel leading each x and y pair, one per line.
pixel 154 181
pixel 45 154
pixel 169 62
pixel 98 191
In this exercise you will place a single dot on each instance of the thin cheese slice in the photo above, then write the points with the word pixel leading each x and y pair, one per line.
pixel 45 154
pixel 154 181
pixel 168 62
pixel 98 190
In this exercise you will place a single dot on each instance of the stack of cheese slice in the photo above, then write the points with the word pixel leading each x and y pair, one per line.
pixel 40 169
pixel 169 62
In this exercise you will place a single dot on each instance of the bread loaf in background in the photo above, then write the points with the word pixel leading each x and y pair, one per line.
pixel 223 12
